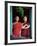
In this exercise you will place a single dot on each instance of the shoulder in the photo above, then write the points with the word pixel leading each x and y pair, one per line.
pixel 14 23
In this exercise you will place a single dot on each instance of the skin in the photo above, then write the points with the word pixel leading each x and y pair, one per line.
pixel 25 19
pixel 17 18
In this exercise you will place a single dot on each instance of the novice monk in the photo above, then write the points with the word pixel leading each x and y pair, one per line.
pixel 26 31
pixel 17 28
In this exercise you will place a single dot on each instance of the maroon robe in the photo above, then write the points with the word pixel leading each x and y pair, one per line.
pixel 25 32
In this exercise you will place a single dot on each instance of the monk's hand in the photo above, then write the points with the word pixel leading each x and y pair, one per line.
pixel 27 26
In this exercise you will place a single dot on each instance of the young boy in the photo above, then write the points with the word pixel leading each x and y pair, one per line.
pixel 17 28
pixel 26 30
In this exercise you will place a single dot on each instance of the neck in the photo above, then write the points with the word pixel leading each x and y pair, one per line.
pixel 17 21
pixel 25 22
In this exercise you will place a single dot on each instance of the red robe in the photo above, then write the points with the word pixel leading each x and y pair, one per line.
pixel 25 32
pixel 17 29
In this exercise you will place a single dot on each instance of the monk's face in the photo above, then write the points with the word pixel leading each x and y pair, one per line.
pixel 25 19
pixel 17 18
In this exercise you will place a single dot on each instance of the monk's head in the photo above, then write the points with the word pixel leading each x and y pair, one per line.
pixel 17 18
pixel 25 18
